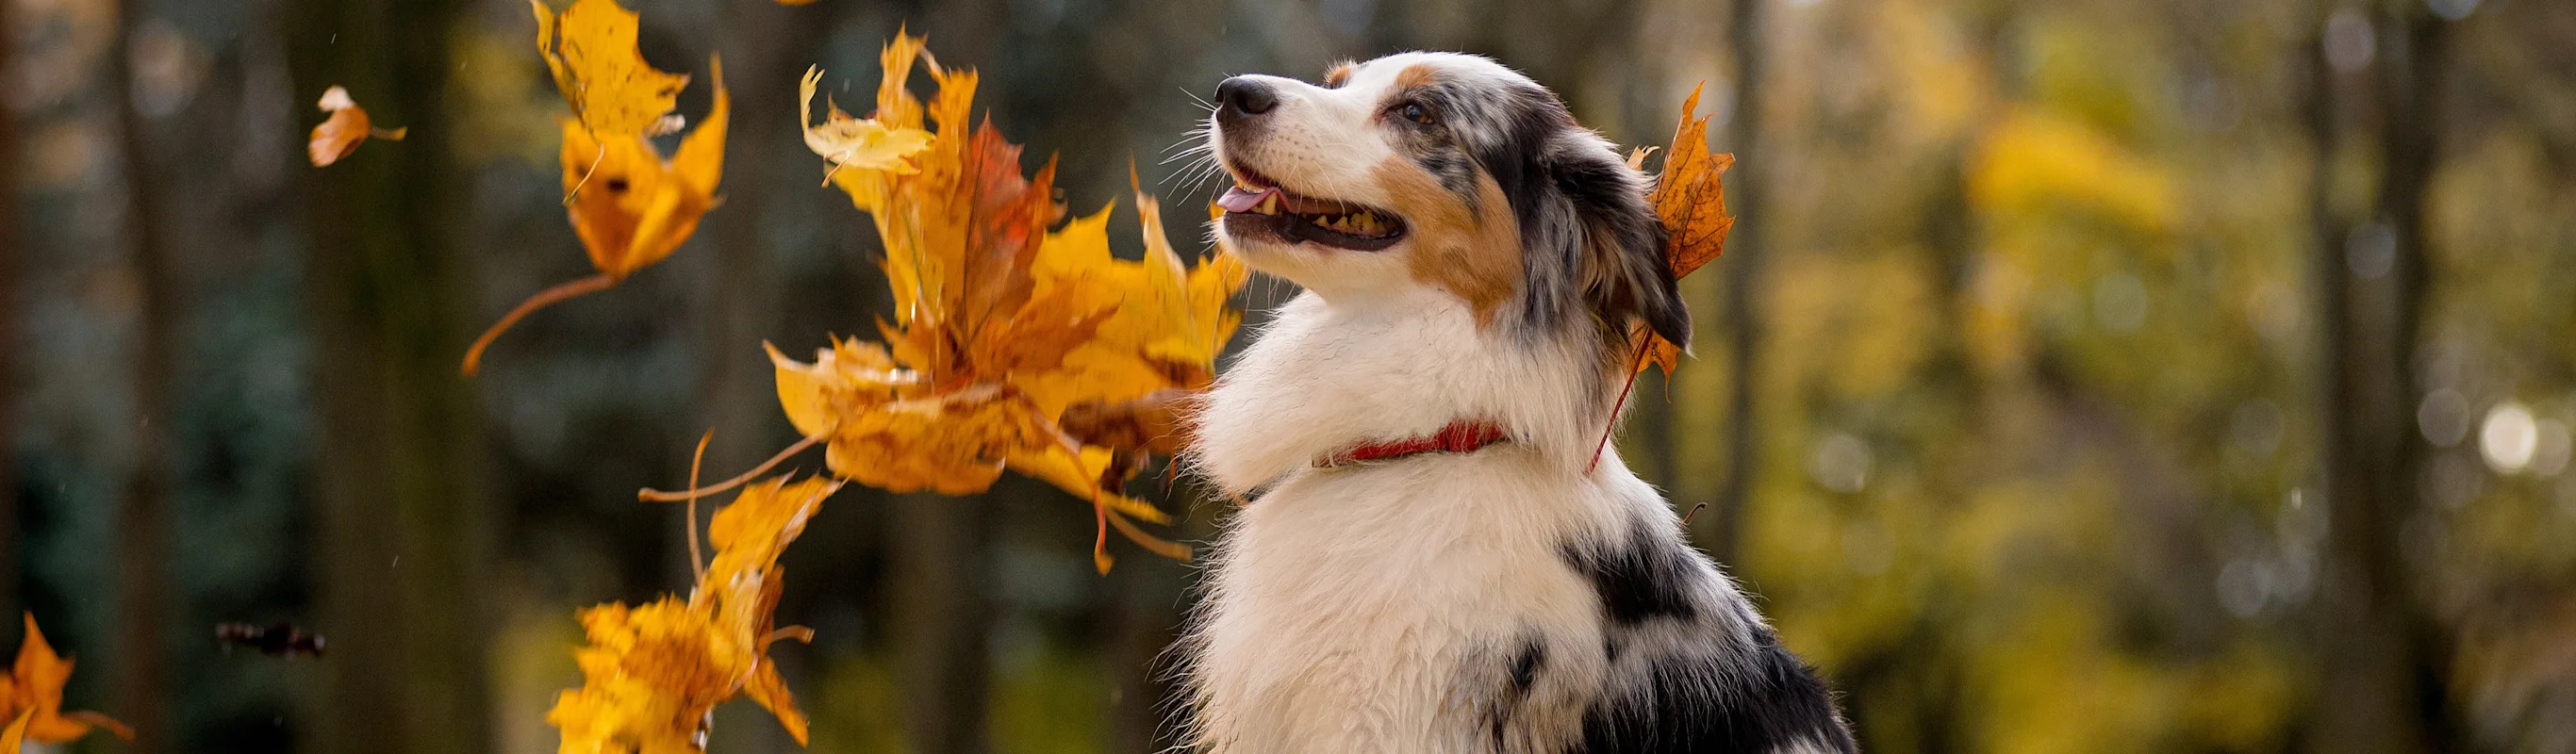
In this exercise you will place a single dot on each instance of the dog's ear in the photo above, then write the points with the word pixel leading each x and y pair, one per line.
pixel 1622 266
pixel 1591 227
pixel 1590 241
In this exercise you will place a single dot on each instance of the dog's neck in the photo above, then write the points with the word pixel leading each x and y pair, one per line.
pixel 1324 376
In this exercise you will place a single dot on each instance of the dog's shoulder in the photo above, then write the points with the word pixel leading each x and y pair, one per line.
pixel 1764 701
pixel 1693 668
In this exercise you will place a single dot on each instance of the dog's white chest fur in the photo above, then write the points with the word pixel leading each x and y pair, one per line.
pixel 1351 609
pixel 1355 609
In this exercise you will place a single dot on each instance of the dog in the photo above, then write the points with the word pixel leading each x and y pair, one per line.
pixel 1438 553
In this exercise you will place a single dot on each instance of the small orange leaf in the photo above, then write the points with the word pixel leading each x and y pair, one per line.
pixel 340 134
pixel 1690 198
pixel 35 689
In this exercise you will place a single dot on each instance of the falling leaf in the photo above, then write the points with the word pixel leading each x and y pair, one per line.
pixel 1003 316
pixel 34 691
pixel 590 48
pixel 854 142
pixel 630 206
pixel 1691 200
pixel 651 673
pixel 340 135
pixel 281 639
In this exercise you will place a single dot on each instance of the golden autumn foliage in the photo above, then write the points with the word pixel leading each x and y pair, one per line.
pixel 1690 198
pixel 348 126
pixel 1002 318
pixel 590 49
pixel 652 672
pixel 33 694
pixel 631 206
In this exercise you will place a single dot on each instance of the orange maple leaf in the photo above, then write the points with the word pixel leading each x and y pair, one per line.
pixel 651 673
pixel 1003 316
pixel 1690 198
pixel 630 206
pixel 340 134
pixel 34 693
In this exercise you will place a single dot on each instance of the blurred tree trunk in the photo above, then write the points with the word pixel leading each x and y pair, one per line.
pixel 402 522
pixel 1723 530
pixel 1148 598
pixel 2383 686
pixel 767 46
pixel 12 248
pixel 145 604
pixel 943 618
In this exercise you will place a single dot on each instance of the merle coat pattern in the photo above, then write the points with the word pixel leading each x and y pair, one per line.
pixel 1518 598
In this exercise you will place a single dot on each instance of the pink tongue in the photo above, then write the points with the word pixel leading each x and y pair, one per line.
pixel 1238 200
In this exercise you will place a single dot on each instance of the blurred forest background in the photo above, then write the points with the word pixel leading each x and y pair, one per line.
pixel 2084 376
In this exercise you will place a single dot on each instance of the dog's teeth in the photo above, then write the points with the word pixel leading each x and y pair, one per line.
pixel 1269 205
pixel 1367 223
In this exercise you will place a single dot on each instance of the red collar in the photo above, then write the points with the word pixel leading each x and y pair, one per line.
pixel 1460 436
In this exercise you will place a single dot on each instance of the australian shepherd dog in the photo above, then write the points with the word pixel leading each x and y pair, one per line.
pixel 1433 559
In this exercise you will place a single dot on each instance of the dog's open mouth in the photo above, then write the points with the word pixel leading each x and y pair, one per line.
pixel 1257 208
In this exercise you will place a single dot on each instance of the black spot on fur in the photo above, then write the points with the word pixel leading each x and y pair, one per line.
pixel 1525 666
pixel 1714 706
pixel 1638 576
pixel 1523 669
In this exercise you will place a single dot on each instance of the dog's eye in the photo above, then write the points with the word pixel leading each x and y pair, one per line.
pixel 1414 111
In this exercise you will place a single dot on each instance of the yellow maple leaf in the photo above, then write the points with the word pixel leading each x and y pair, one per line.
pixel 1690 199
pixel 34 692
pixel 590 48
pixel 651 673
pixel 630 206
pixel 348 126
pixel 1002 320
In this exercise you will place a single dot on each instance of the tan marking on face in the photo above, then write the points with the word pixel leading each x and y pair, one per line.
pixel 1414 75
pixel 1475 255
pixel 1339 75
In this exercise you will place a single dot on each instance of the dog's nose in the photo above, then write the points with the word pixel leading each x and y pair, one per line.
pixel 1243 97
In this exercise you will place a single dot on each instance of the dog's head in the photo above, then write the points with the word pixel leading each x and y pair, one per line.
pixel 1445 172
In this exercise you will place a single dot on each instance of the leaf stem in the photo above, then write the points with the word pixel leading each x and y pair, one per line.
pixel 542 299
pixel 1157 545
pixel 697 562
pixel 585 174
pixel 694 492
pixel 1613 423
